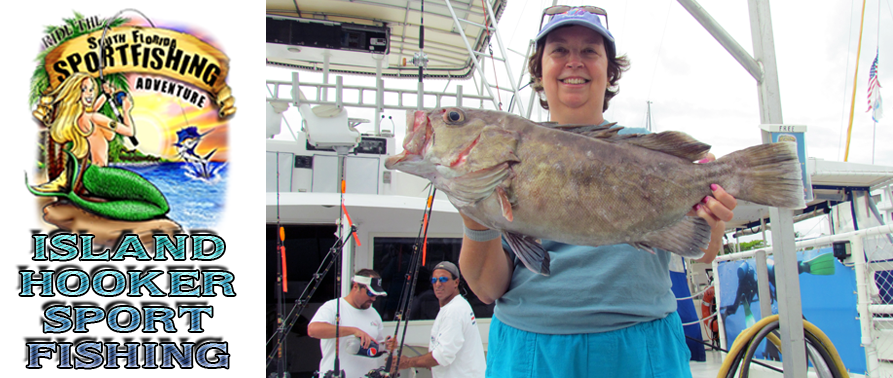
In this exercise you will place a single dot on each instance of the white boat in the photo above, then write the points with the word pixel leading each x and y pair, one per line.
pixel 347 42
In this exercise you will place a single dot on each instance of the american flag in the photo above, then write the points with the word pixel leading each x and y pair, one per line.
pixel 874 92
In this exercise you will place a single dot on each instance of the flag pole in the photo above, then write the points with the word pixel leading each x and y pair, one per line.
pixel 849 129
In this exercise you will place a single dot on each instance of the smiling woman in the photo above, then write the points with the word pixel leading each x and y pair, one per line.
pixel 576 65
pixel 624 312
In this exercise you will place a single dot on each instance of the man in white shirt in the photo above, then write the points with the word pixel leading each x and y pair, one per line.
pixel 455 349
pixel 359 321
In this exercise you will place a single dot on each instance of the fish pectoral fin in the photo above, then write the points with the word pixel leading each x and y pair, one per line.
pixel 644 247
pixel 504 203
pixel 530 252
pixel 684 238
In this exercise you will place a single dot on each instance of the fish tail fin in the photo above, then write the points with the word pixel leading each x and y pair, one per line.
pixel 530 252
pixel 684 238
pixel 767 174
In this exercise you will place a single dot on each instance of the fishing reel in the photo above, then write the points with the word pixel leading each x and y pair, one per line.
pixel 334 374
pixel 380 373
pixel 420 59
pixel 119 98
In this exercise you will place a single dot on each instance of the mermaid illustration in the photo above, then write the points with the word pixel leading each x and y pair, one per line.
pixel 77 154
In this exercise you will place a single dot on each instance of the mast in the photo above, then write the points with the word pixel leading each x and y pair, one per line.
pixel 648 121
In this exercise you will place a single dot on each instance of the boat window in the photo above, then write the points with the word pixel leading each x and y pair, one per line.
pixel 391 259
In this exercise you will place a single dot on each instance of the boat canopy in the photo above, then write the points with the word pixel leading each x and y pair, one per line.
pixel 351 34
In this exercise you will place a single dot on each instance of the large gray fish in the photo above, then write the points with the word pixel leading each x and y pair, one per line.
pixel 585 185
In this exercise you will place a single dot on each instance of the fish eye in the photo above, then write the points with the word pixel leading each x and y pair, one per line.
pixel 453 116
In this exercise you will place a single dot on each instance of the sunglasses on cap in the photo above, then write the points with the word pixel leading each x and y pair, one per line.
pixel 443 279
pixel 561 9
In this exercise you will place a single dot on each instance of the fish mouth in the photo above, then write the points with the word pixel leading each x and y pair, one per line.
pixel 418 134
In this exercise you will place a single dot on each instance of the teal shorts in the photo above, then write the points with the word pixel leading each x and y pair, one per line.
pixel 653 349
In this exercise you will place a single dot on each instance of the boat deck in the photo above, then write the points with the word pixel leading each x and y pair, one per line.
pixel 710 368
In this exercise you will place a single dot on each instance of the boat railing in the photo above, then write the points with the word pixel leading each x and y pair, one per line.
pixel 282 92
pixel 868 252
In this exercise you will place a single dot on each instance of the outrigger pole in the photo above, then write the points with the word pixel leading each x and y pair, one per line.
pixel 849 128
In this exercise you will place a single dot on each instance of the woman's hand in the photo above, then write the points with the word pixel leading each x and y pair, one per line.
pixel 716 210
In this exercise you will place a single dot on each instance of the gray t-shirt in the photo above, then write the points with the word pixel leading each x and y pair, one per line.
pixel 591 289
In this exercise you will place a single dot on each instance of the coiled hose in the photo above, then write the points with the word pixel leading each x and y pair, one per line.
pixel 746 344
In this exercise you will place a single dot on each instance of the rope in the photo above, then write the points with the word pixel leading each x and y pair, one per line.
pixel 699 321
pixel 842 103
pixel 695 295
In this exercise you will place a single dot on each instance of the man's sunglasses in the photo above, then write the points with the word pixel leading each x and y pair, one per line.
pixel 559 9
pixel 441 279
pixel 369 293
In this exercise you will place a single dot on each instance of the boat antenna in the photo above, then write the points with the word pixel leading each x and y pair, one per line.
pixel 415 262
pixel 421 42
pixel 648 120
pixel 487 22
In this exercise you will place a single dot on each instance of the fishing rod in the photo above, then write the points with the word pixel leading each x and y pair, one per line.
pixel 404 307
pixel 304 299
pixel 337 371
pixel 280 368
pixel 405 302
pixel 117 100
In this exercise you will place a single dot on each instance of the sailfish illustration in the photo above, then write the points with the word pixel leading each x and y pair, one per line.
pixel 188 138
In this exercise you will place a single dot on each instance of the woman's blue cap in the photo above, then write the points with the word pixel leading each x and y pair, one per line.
pixel 578 16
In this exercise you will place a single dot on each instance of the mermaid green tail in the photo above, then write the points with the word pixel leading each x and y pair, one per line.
pixel 122 194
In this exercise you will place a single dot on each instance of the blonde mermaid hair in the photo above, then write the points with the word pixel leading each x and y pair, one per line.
pixel 61 109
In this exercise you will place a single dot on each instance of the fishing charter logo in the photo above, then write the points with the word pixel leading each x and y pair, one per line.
pixel 132 123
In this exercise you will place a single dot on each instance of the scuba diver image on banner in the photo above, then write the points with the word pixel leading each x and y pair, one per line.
pixel 119 104
pixel 827 291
